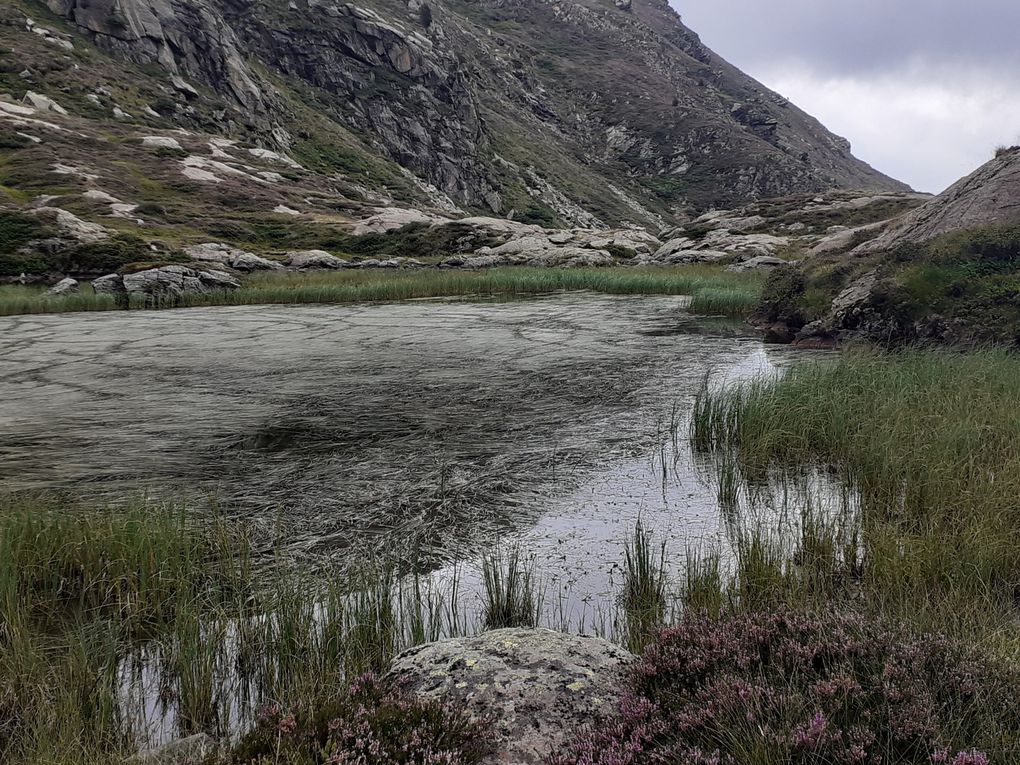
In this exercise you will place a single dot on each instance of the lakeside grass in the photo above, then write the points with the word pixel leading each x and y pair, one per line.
pixel 712 290
pixel 927 444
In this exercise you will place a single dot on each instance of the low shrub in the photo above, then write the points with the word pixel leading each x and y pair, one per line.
pixel 784 687
pixel 110 255
pixel 375 725
pixel 782 298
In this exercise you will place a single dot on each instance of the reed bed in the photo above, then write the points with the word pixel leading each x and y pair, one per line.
pixel 713 291
pixel 929 444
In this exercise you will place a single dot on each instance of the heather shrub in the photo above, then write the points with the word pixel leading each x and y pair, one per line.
pixel 374 725
pixel 782 687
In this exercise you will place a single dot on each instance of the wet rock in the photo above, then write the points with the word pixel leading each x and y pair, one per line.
pixel 314 259
pixel 192 750
pixel 66 286
pixel 539 686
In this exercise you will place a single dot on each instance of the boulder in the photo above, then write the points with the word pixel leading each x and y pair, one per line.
pixel 73 227
pixel 841 239
pixel 161 142
pixel 746 244
pixel 759 263
pixel 313 259
pixel 391 219
pixel 43 103
pixel 239 260
pixel 176 281
pixel 538 686
pixel 66 286
pixel 111 284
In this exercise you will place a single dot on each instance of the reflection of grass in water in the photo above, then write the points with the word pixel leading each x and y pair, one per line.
pixel 81 587
pixel 929 442
pixel 714 290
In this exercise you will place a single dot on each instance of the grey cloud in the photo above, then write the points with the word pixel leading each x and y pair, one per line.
pixel 839 36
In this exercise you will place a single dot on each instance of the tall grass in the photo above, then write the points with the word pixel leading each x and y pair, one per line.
pixel 644 597
pixel 929 443
pixel 78 588
pixel 713 290
pixel 512 596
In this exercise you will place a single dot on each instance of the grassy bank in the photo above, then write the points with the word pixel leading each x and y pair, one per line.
pixel 928 445
pixel 713 291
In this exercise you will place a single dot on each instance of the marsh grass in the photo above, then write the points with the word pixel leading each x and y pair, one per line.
pixel 644 598
pixel 78 588
pixel 929 444
pixel 512 595
pixel 713 290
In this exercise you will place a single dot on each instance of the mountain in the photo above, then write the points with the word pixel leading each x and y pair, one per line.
pixel 945 272
pixel 574 113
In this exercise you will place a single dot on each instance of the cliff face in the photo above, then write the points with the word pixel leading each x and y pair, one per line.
pixel 582 112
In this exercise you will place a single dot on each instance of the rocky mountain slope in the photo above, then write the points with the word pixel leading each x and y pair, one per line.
pixel 946 272
pixel 218 116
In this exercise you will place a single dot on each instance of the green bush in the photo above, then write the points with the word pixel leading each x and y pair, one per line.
pixel 783 295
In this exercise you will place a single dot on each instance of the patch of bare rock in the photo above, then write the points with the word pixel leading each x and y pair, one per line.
pixel 165 282
pixel 224 254
pixel 536 686
pixel 989 196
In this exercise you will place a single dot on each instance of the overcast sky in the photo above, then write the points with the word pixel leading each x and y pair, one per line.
pixel 924 89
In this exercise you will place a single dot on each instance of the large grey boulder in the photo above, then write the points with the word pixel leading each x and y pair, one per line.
pixel 71 226
pixel 111 284
pixel 66 286
pixel 165 282
pixel 175 281
pixel 43 103
pixel 239 260
pixel 990 196
pixel 314 259
pixel 391 219
pixel 538 686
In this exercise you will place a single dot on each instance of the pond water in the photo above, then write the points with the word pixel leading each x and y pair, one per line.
pixel 435 428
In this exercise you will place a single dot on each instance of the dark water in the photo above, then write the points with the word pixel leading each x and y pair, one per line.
pixel 435 426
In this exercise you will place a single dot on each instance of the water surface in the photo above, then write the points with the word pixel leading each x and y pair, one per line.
pixel 434 427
